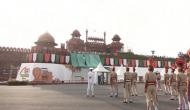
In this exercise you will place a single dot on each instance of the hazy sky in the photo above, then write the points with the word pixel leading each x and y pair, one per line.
pixel 143 25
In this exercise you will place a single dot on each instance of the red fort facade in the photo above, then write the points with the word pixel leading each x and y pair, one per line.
pixel 45 51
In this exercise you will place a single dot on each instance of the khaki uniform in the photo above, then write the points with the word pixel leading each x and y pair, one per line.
pixel 113 83
pixel 188 85
pixel 127 86
pixel 158 81
pixel 182 90
pixel 150 90
pixel 166 83
pixel 173 86
pixel 134 83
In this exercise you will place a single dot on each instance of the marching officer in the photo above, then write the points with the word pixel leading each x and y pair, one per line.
pixel 166 81
pixel 127 86
pixel 91 82
pixel 181 80
pixel 173 85
pixel 188 84
pixel 134 81
pixel 113 83
pixel 158 81
pixel 150 88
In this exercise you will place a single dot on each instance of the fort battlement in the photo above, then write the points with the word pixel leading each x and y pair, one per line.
pixel 14 49
pixel 10 60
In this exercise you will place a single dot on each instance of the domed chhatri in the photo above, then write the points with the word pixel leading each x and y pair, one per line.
pixel 46 39
pixel 116 38
pixel 76 33
pixel 75 43
pixel 116 45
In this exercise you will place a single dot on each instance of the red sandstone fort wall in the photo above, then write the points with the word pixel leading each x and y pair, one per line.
pixel 10 60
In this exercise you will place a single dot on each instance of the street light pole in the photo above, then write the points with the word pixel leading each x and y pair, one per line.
pixel 151 59
pixel 152 51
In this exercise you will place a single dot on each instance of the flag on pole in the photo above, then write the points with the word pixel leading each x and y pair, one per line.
pixel 67 59
pixel 159 64
pixel 47 57
pixel 52 58
pixel 112 61
pixel 30 59
pixel 62 59
pixel 137 63
pixel 107 61
pixel 145 63
pixel 120 61
pixel 34 57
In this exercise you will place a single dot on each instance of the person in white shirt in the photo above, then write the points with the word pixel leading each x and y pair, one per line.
pixel 134 82
pixel 91 82
pixel 166 81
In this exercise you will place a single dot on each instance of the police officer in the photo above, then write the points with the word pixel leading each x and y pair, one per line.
pixel 173 86
pixel 188 84
pixel 150 88
pixel 113 83
pixel 166 81
pixel 158 81
pixel 181 80
pixel 127 86
pixel 91 82
pixel 134 83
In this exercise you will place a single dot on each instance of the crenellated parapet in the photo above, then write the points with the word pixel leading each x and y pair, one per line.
pixel 95 39
pixel 10 60
pixel 14 49
pixel 12 56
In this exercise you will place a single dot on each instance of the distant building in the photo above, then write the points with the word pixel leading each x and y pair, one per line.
pixel 75 43
pixel 116 46
pixel 10 60
pixel 45 52
pixel 93 43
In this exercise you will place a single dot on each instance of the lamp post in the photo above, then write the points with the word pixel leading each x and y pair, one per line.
pixel 151 59
pixel 152 51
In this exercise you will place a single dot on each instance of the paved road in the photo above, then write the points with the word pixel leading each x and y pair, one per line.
pixel 72 97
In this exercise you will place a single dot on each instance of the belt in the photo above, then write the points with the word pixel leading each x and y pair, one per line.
pixel 113 79
pixel 151 83
pixel 127 80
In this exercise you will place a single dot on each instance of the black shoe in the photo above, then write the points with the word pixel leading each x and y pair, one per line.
pixel 126 102
pixel 130 101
